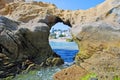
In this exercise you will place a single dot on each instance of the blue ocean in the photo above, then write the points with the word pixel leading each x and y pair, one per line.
pixel 67 50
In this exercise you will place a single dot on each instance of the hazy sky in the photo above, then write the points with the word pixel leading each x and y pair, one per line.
pixel 72 5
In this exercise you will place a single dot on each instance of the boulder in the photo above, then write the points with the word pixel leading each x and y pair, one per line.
pixel 72 73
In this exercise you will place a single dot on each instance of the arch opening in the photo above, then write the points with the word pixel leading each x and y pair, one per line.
pixel 66 23
pixel 62 43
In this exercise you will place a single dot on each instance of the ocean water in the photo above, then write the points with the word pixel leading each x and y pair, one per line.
pixel 63 45
pixel 67 51
pixel 66 55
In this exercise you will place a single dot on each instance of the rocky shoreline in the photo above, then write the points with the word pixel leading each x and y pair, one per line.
pixel 24 32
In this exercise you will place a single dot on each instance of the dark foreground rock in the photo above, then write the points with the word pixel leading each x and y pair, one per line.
pixel 23 46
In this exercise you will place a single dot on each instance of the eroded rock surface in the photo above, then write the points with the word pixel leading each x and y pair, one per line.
pixel 96 31
pixel 23 45
pixel 73 73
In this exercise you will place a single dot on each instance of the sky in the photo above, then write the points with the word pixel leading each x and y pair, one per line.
pixel 72 5
pixel 61 26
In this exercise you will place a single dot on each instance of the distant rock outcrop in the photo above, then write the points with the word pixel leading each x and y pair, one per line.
pixel 96 31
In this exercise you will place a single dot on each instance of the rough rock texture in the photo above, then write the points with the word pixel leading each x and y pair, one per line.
pixel 96 31
pixel 30 10
pixel 24 45
pixel 3 3
pixel 73 73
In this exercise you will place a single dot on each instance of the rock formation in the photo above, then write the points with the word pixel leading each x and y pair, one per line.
pixel 72 73
pixel 23 45
pixel 3 3
pixel 95 30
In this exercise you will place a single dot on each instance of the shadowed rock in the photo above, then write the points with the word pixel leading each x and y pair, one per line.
pixel 23 43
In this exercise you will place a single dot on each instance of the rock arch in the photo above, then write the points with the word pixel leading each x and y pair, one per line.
pixel 96 31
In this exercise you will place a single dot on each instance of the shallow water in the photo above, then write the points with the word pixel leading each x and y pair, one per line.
pixel 42 74
pixel 67 51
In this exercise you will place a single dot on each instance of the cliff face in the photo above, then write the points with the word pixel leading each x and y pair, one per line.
pixel 95 30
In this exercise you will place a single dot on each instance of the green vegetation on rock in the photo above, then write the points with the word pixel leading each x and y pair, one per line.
pixel 27 76
pixel 116 77
pixel 69 40
pixel 89 76
pixel 61 35
pixel 8 78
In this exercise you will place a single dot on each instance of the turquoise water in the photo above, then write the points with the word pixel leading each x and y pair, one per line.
pixel 67 51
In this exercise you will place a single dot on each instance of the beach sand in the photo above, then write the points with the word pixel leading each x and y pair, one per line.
pixel 58 40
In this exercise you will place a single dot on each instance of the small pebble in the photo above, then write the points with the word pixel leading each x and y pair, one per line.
pixel 94 79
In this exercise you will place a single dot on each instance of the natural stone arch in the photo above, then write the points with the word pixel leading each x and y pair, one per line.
pixel 96 31
pixel 51 20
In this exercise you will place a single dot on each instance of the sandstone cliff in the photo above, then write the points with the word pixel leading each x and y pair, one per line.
pixel 95 30
pixel 3 3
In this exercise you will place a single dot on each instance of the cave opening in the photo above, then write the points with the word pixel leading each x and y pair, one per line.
pixel 62 43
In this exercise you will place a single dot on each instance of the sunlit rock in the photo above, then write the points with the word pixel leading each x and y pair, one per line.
pixel 95 30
